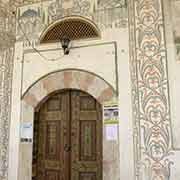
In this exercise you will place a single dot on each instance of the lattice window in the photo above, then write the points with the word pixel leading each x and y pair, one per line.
pixel 74 28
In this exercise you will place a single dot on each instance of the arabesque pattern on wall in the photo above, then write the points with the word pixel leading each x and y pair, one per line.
pixel 33 20
pixel 7 40
pixel 151 109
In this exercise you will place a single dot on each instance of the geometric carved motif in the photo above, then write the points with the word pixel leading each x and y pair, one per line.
pixel 6 67
pixel 51 121
pixel 87 176
pixel 35 138
pixel 52 138
pixel 7 34
pixel 111 3
pixel 87 141
pixel 87 103
pixel 52 175
pixel 86 137
pixel 151 106
pixel 54 104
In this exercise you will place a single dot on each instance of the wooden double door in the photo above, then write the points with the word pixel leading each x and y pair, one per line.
pixel 67 141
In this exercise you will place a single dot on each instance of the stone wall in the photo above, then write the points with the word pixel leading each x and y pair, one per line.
pixel 150 86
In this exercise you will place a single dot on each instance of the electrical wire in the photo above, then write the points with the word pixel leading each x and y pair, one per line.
pixel 36 50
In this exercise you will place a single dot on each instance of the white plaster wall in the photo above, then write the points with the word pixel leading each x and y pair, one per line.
pixel 175 168
pixel 174 86
pixel 94 57
pixel 125 105
pixel 15 113
pixel 174 74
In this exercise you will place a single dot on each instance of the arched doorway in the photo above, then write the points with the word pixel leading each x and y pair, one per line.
pixel 68 137
pixel 81 80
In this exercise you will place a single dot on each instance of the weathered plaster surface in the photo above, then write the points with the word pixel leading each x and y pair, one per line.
pixel 80 58
pixel 174 73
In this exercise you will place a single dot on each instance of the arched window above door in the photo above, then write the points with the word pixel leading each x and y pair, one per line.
pixel 74 28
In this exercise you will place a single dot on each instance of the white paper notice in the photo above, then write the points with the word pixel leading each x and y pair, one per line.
pixel 26 131
pixel 112 132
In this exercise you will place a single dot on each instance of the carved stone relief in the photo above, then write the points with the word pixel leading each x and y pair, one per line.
pixel 151 109
pixel 34 19
pixel 30 24
pixel 7 40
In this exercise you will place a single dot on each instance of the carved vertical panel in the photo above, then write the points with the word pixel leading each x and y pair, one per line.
pixel 52 161
pixel 87 140
pixel 6 67
pixel 6 59
pixel 52 140
pixel 86 137
pixel 52 175
pixel 87 176
pixel 151 107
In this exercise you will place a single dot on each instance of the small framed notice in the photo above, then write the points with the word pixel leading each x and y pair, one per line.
pixel 26 132
pixel 111 113
pixel 111 120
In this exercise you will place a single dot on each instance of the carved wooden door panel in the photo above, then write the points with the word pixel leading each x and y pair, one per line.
pixel 86 137
pixel 68 138
pixel 53 127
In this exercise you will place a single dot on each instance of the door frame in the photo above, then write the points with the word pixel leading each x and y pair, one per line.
pixel 85 81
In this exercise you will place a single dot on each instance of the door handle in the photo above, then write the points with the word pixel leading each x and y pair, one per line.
pixel 67 148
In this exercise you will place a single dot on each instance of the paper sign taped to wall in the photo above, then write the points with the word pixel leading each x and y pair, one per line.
pixel 26 132
pixel 111 132
pixel 111 113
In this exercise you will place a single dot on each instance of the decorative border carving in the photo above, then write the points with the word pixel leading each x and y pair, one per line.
pixel 151 106
pixel 7 40
pixel 34 19
pixel 6 67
